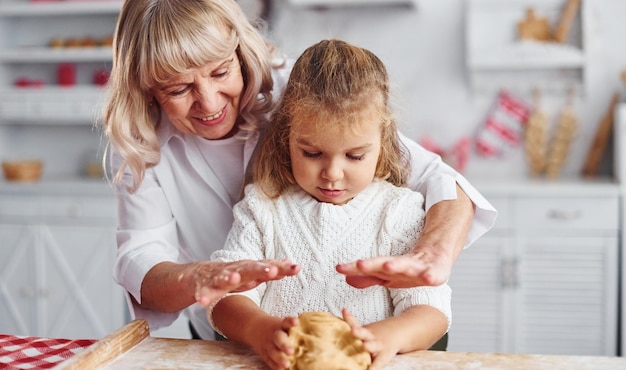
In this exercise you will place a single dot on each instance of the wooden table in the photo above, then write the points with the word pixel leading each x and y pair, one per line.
pixel 132 347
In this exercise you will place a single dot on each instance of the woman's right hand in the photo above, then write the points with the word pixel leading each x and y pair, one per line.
pixel 215 279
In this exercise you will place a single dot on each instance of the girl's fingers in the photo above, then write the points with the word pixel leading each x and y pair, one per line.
pixel 350 319
pixel 357 330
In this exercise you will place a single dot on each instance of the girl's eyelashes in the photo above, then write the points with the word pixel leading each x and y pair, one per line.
pixel 356 157
pixel 311 154
pixel 353 157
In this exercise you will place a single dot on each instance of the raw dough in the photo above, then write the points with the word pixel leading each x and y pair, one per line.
pixel 324 342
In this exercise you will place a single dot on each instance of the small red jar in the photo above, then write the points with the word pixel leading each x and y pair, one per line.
pixel 66 74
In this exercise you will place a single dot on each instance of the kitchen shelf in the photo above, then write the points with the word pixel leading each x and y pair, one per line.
pixel 24 8
pixel 62 221
pixel 336 3
pixel 27 58
pixel 51 55
pixel 66 185
pixel 496 58
pixel 528 55
pixel 50 105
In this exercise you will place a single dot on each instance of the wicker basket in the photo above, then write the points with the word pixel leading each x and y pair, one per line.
pixel 22 171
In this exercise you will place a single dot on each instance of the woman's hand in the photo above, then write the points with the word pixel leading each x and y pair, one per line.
pixel 446 226
pixel 272 343
pixel 216 279
pixel 406 271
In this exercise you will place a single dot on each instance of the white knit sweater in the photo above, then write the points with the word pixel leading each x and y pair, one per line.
pixel 382 220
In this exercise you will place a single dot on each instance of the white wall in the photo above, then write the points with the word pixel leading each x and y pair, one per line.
pixel 424 50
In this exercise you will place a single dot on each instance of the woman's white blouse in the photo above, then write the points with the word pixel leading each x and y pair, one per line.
pixel 182 213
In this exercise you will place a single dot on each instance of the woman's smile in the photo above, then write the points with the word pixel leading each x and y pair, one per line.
pixel 215 119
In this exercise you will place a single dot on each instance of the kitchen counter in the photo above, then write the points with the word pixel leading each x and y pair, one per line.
pixel 131 347
pixel 486 184
pixel 492 186
pixel 163 353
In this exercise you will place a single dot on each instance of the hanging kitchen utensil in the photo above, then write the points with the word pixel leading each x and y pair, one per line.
pixel 562 138
pixel 600 140
pixel 567 18
pixel 535 139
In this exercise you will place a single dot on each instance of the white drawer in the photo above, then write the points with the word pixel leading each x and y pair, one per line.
pixel 79 208
pixel 73 105
pixel 20 207
pixel 567 213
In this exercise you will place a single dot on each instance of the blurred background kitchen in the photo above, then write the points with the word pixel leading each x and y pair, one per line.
pixel 524 97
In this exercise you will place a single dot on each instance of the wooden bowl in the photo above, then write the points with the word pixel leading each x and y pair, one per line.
pixel 22 171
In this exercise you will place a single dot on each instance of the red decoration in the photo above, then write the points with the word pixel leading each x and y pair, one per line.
pixel 66 74
pixel 457 156
pixel 101 77
pixel 28 82
pixel 504 126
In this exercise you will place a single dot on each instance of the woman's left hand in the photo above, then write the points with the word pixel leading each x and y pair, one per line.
pixel 406 271
pixel 216 279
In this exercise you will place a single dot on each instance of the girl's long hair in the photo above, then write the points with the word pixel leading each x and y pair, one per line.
pixel 332 82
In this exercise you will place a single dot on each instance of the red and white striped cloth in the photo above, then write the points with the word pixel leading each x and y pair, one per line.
pixel 19 352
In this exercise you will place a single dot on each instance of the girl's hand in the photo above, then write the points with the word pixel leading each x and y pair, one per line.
pixel 380 354
pixel 273 344
pixel 215 279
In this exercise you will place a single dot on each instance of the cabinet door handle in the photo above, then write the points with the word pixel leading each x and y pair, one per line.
pixel 564 214
pixel 74 211
pixel 44 292
pixel 510 273
pixel 27 292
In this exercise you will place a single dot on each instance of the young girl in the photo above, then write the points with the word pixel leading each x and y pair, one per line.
pixel 327 188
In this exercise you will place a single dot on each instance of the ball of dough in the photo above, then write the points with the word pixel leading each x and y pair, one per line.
pixel 323 341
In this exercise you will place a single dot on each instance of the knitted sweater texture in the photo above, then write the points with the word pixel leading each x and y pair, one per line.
pixel 382 220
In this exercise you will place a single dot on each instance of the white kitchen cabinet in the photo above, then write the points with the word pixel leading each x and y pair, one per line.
pixel 567 296
pixel 496 58
pixel 480 284
pixel 57 236
pixel 56 259
pixel 334 3
pixel 545 279
pixel 479 298
pixel 27 54
pixel 40 119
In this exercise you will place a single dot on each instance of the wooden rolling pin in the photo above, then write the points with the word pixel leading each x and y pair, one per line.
pixel 567 18
pixel 603 133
